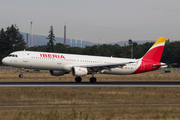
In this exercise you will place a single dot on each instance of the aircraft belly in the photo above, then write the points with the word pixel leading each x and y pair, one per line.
pixel 119 71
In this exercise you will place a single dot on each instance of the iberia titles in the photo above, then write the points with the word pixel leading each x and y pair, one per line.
pixel 52 56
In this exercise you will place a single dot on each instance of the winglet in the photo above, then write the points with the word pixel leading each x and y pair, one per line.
pixel 155 52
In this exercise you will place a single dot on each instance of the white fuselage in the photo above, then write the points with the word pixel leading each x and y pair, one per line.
pixel 64 62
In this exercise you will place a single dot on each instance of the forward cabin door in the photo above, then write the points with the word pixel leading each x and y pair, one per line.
pixel 25 56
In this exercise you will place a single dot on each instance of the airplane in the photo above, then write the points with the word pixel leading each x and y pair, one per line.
pixel 81 65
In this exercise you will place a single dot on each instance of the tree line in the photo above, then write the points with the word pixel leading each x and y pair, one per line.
pixel 12 40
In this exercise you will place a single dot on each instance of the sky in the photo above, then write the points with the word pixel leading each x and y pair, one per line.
pixel 109 20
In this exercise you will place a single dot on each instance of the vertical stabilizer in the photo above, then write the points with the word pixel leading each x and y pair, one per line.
pixel 155 52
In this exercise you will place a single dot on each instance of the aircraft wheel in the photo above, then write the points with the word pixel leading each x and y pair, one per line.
pixel 92 79
pixel 20 75
pixel 78 79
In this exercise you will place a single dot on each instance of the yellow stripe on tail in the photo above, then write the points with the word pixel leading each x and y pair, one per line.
pixel 160 40
pixel 155 52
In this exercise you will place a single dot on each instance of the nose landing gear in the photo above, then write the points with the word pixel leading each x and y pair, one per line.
pixel 21 75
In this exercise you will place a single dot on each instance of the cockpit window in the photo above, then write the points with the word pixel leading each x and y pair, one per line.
pixel 12 55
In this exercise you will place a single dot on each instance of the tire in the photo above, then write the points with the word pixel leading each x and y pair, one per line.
pixel 78 79
pixel 20 75
pixel 92 79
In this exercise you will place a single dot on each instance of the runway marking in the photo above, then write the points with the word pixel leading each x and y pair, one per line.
pixel 132 86
pixel 98 84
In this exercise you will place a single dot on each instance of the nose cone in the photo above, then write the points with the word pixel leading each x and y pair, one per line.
pixel 4 61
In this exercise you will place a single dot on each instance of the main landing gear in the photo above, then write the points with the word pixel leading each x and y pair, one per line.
pixel 92 79
pixel 78 79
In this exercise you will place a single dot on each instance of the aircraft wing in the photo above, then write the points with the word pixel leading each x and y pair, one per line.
pixel 99 67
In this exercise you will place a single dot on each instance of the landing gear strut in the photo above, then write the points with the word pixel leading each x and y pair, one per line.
pixel 92 79
pixel 78 79
pixel 21 75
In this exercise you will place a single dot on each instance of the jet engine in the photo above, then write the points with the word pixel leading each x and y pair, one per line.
pixel 79 71
pixel 56 72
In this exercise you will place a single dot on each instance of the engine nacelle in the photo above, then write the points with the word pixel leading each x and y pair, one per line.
pixel 79 71
pixel 56 72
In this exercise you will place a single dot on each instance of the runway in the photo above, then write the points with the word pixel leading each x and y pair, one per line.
pixel 97 84
pixel 91 105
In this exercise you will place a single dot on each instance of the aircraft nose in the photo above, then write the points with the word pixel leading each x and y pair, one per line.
pixel 4 61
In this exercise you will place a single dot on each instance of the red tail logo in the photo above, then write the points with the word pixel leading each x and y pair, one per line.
pixel 155 52
pixel 152 57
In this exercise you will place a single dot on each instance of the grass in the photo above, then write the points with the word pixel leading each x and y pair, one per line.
pixel 92 113
pixel 45 76
pixel 88 96
pixel 112 103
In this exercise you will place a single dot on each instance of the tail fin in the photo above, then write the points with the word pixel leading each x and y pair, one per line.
pixel 155 52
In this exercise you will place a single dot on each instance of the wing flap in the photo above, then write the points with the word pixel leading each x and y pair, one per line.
pixel 112 65
pixel 99 67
